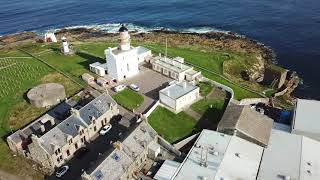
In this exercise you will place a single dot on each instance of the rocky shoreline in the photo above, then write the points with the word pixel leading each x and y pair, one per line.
pixel 210 41
pixel 218 39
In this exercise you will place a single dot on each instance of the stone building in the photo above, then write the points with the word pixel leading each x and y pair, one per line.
pixel 51 142
pixel 127 158
pixel 275 76
pixel 246 123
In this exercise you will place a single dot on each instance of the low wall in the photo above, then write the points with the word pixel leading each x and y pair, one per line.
pixel 154 106
pixel 226 88
pixel 182 143
pixel 168 146
pixel 249 101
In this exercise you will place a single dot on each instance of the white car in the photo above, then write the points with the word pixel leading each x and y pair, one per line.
pixel 61 171
pixel 119 88
pixel 134 87
pixel 105 129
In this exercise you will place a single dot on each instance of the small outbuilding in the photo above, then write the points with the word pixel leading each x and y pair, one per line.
pixel 98 68
pixel 50 37
pixel 87 78
pixel 179 96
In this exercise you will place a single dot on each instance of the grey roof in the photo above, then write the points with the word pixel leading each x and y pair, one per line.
pixel 306 119
pixel 173 65
pixel 70 126
pixel 178 89
pixel 228 157
pixel 248 122
pixel 167 170
pixel 142 50
pixel 114 166
pixel 290 155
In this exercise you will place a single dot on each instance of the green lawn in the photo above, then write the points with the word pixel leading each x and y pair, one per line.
pixel 205 88
pixel 129 99
pixel 170 126
pixel 17 76
pixel 211 111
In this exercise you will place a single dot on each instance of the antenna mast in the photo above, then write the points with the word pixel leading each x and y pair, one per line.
pixel 166 53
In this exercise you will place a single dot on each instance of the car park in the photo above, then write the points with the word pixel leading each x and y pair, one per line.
pixel 105 129
pixel 119 88
pixel 62 171
pixel 134 87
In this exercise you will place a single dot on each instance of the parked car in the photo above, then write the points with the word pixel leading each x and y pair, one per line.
pixel 134 87
pixel 82 151
pixel 105 129
pixel 119 88
pixel 61 171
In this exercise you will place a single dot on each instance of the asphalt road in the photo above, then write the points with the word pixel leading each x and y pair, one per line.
pixel 98 150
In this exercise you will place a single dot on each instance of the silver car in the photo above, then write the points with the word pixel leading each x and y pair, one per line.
pixel 61 171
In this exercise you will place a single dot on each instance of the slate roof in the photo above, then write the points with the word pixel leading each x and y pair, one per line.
pixel 70 127
pixel 248 122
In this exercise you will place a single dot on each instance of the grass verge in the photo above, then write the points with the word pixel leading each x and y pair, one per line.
pixel 170 126
pixel 129 99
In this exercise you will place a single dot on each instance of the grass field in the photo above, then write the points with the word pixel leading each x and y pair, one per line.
pixel 170 126
pixel 211 60
pixel 205 88
pixel 129 99
pixel 18 73
pixel 210 110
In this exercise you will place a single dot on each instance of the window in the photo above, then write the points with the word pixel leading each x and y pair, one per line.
pixel 70 141
pixel 60 157
pixel 57 151
pixel 76 145
pixel 95 128
pixel 68 152
pixel 94 121
pixel 81 132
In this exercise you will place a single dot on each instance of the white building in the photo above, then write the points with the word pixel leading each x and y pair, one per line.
pixel 218 156
pixel 123 61
pixel 98 68
pixel 179 96
pixel 50 37
pixel 306 120
pixel 290 157
pixel 175 68
pixel 65 45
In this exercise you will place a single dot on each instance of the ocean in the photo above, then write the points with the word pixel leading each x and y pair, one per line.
pixel 289 27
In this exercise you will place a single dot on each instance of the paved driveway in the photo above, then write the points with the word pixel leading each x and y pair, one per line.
pixel 150 83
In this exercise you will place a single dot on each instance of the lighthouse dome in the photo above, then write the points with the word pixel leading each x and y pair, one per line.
pixel 123 29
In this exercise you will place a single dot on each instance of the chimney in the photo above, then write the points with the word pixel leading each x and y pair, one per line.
pixel 75 111
pixel 184 84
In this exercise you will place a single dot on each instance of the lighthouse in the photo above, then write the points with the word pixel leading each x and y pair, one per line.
pixel 124 39
pixel 65 45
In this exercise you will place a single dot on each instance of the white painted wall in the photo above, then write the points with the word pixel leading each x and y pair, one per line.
pixel 122 65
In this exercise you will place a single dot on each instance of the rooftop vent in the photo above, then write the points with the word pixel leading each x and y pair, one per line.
pixel 309 171
pixel 309 163
pixel 237 155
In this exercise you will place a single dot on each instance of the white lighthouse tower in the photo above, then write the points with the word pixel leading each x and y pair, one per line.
pixel 65 45
pixel 124 38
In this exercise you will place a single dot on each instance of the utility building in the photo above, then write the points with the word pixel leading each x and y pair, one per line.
pixel 179 96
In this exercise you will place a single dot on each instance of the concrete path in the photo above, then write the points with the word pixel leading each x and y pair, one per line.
pixel 193 114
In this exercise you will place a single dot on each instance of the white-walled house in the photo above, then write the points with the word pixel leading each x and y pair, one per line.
pixel 175 68
pixel 123 61
pixel 179 96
